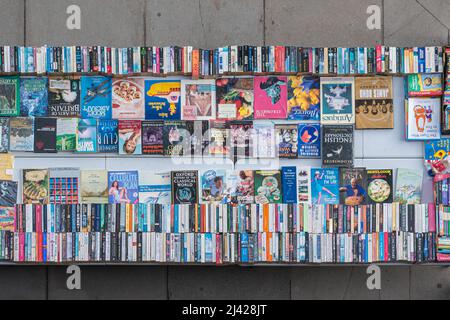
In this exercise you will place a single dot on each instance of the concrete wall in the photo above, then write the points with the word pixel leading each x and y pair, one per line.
pixel 211 23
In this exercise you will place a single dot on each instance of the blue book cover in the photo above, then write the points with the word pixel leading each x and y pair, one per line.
pixel 289 184
pixel 325 186
pixel 162 99
pixel 87 136
pixel 421 59
pixel 108 136
pixel 303 98
pixel 33 96
pixel 244 247
pixel 123 187
pixel 309 140
pixel 96 97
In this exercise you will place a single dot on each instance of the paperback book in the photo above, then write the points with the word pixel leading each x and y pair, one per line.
pixel 123 187
pixel 309 140
pixel 337 101
pixel 154 187
pixel 34 96
pixel 214 187
pixel 264 140
pixel 128 98
pixel 424 85
pixel 243 191
pixel 96 97
pixel 9 96
pixel 152 137
pixel 234 98
pixel 353 186
pixel 268 187
pixel 198 100
pixel 337 146
pixel 423 118
pixel 270 97
pixel 45 135
pixel 8 192
pixel 289 184
pixel 287 140
pixel 162 100
pixel 184 187
pixel 64 98
pixel 303 98
pixel 66 134
pixel 94 186
pixel 64 185
pixel 35 188
pixel 87 136
pixel 177 138
pixel 380 186
pixel 304 185
pixel 130 137
pixel 199 141
pixel 21 134
pixel 219 139
pixel 325 186
pixel 4 135
pixel 108 136
pixel 7 219
pixel 408 188
pixel 241 142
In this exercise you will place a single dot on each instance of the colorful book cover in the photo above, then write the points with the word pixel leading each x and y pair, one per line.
pixel 234 98
pixel 309 140
pixel 304 185
pixel 303 98
pixel 123 187
pixel 268 186
pixel 264 140
pixel 162 100
pixel 64 98
pixel 424 85
pixel 7 216
pixel 353 186
pixel 184 187
pixel 325 186
pixel 45 135
pixel 337 101
pixel 408 186
pixel 35 186
pixel 243 191
pixel 6 166
pixel 374 104
pixel 34 96
pixel 87 136
pixel 128 98
pixel 177 138
pixel 4 135
pixel 287 140
pixel 130 137
pixel 270 97
pixel 337 146
pixel 94 186
pixel 437 149
pixel 96 97
pixel 379 186
pixel 214 187
pixel 64 184
pixel 289 184
pixel 66 134
pixel 108 136
pixel 9 96
pixel 219 139
pixel 21 137
pixel 154 187
pixel 198 100
pixel 241 142
pixel 423 121
pixel 152 137
pixel 8 192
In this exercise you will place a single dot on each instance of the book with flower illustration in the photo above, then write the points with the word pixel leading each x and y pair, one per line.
pixel 234 98
pixel 35 186
pixel 128 98
pixel 270 97
pixel 303 98
pixel 162 99
pixel 198 100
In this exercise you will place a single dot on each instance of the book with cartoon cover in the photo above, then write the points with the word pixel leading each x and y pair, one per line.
pixel 268 186
pixel 270 97
pixel 162 99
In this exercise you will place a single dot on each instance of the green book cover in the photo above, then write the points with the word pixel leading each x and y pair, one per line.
pixel 9 96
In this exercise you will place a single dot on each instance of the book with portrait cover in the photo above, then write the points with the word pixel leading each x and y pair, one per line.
pixel 154 187
pixel 337 101
pixel 21 134
pixel 64 98
pixel 309 140
pixel 423 118
pixel 268 187
pixel 184 187
pixel 128 98
pixel 287 140
pixel 303 98
pixel 380 186
pixel 66 134
pixel 45 135
pixel 177 138
pixel 289 181
pixel 9 96
pixel 374 106
pixel 270 97
pixel 87 136
pixel 34 96
pixel 240 137
pixel 162 99
pixel 219 139
pixel 123 187
pixel 408 186
pixel 353 186
pixel 242 187
pixel 304 185
pixel 64 185
pixel 152 137
pixel 264 140
pixel 35 186
pixel 234 98
pixel 8 192
pixel 96 97
pixel 198 100
pixel 214 186
pixel 94 186
pixel 4 135
pixel 424 85
pixel 130 137
pixel 108 136
pixel 337 146
pixel 325 186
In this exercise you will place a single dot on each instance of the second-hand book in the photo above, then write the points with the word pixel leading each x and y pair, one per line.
pixel 162 99
pixel 108 136
pixel 243 187
pixel 408 187
pixel 94 186
pixel 4 135
pixel 8 191
pixel 33 96
pixel 234 98
pixel 353 186
pixel 198 100
pixel 337 101
pixel 270 97
pixel 130 137
pixel 304 185
pixel 424 85
pixel 240 137
pixel 64 98
pixel 9 96
pixel 309 140
pixel 96 97
pixel 214 186
pixel 184 187
pixel 64 185
pixel 337 146
pixel 128 97
pixel 35 188
pixel 87 136
pixel 325 186
pixel 289 184
pixel 123 187
pixel 66 134
pixel 219 139
pixel 177 138
pixel 264 140
pixel 152 137
pixel 21 137
pixel 379 186
pixel 287 140
pixel 268 186
pixel 45 135
pixel 303 98
pixel 374 103
pixel 423 118
pixel 154 187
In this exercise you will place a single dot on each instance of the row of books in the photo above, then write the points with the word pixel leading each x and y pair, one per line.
pixel 222 60
pixel 275 218
pixel 290 185
pixel 217 248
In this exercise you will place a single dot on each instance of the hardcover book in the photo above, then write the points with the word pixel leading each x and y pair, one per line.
pixel 374 103
pixel 424 85
pixel 154 187
pixel 7 216
pixel 337 101
pixel 21 134
pixel 9 96
pixel 423 119
pixel 287 140
pixel 268 187
pixel 128 98
pixel 94 186
pixel 64 98
pixel 337 146
pixel 108 136
pixel 130 137
pixel 289 184
pixel 64 185
pixel 408 188
pixel 66 134
pixel 353 186
pixel 379 186
pixel 198 100
pixel 177 138
pixel 242 187
pixel 270 97
pixel 35 186
pixel 123 187
pixel 96 97
pixel 214 186
pixel 45 135
pixel 34 96
pixel 87 136
pixel 184 187
pixel 304 185
pixel 264 140
pixel 234 98
pixel 162 100
pixel 152 137
pixel 309 140
pixel 4 135
pixel 325 186
pixel 8 192
pixel 303 98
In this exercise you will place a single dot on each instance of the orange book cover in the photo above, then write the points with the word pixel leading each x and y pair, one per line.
pixel 266 218
pixel 195 64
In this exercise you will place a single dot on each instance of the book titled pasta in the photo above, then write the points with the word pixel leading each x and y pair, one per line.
pixel 270 97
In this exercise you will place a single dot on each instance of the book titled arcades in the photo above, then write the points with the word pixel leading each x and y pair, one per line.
pixel 337 146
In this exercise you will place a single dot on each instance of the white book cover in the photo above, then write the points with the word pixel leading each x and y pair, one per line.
pixel 423 118
pixel 154 187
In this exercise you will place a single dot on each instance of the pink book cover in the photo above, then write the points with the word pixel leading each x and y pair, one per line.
pixel 21 247
pixel 270 97
pixel 38 218
pixel 443 257
pixel 431 217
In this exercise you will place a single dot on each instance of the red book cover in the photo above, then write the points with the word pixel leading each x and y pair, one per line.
pixel 431 217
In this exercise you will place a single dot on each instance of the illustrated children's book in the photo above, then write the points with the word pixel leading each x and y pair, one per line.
pixel 353 186
pixel 234 98
pixel 268 187
pixel 128 98
pixel 94 186
pixel 87 136
pixel 337 101
pixel 423 118
pixel 108 136
pixel 184 187
pixel 64 98
pixel 408 188
pixel 303 98
pixel 33 96
pixel 309 140
pixel 380 188
pixel 325 186
pixel 424 85
pixel 123 187
pixel 9 96
pixel 154 187
pixel 130 137
pixel 270 97
pixel 162 100
pixel 96 97
pixel 35 186
pixel 198 100
pixel 66 134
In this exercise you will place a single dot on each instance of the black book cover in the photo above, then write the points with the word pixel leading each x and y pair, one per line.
pixel 152 137
pixel 8 193
pixel 45 135
pixel 337 146
pixel 184 187
pixel 4 135
pixel 379 186
pixel 177 138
